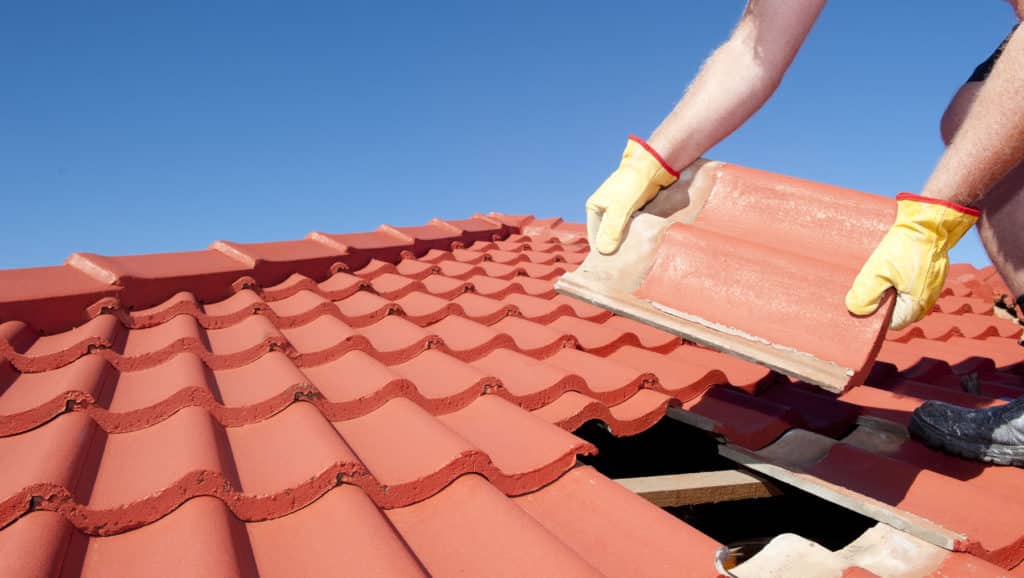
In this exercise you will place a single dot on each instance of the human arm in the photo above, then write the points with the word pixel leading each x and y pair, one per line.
pixel 990 142
pixel 737 79
pixel 733 84
pixel 913 257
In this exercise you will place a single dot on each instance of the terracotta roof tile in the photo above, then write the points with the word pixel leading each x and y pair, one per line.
pixel 218 411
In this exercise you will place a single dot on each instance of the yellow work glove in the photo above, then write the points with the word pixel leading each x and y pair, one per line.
pixel 912 257
pixel 641 174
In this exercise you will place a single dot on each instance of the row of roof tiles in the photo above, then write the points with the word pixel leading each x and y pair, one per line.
pixel 294 396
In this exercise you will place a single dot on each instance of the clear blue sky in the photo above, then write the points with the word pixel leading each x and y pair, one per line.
pixel 140 127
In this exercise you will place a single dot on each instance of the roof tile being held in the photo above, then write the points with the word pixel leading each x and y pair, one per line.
pixel 752 263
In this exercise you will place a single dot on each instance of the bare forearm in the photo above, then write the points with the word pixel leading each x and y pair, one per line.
pixel 990 142
pixel 737 79
pixel 729 89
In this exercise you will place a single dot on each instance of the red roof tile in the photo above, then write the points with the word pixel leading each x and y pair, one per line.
pixel 790 250
pixel 219 411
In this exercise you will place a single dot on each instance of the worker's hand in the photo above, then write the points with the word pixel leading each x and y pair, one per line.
pixel 641 174
pixel 912 257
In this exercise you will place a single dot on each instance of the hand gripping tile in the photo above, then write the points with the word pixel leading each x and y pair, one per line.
pixel 754 264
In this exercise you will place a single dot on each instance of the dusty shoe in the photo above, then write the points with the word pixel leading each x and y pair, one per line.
pixel 993 435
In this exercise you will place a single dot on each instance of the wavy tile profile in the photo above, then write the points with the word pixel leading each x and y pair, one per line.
pixel 219 411
pixel 454 349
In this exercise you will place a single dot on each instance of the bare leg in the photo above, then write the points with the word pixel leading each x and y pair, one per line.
pixel 1001 225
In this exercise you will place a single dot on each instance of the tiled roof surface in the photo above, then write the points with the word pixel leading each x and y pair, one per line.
pixel 402 402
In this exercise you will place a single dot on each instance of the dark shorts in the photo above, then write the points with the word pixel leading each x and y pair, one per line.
pixel 985 68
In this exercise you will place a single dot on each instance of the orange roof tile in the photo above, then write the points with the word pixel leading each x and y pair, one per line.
pixel 219 411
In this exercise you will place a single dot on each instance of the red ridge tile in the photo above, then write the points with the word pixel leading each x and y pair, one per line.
pixel 50 298
pixel 434 235
pixel 274 261
pixel 360 248
pixel 514 221
pixel 149 279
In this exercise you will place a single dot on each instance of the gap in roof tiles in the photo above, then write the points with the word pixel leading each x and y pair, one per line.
pixel 672 447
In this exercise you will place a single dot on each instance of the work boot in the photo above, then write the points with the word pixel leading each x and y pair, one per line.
pixel 993 435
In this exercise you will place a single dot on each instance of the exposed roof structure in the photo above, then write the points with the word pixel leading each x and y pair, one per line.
pixel 401 402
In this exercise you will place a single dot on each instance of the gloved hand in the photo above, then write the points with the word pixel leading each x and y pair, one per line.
pixel 912 257
pixel 641 174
